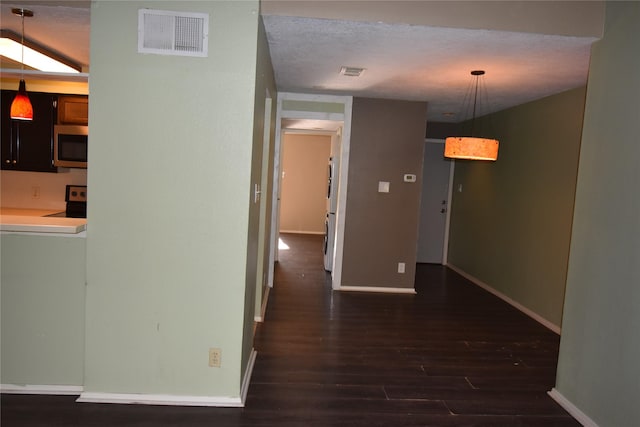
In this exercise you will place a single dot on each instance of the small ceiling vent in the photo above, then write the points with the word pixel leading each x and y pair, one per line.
pixel 351 71
pixel 173 33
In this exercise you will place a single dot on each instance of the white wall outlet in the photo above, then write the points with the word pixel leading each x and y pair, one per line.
pixel 215 357
pixel 383 187
pixel 401 267
pixel 35 192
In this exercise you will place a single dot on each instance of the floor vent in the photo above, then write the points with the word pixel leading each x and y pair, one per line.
pixel 173 33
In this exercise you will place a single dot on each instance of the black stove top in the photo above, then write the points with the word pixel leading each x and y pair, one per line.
pixel 69 214
pixel 76 198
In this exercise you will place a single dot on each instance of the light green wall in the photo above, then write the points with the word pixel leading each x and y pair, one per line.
pixel 257 240
pixel 511 224
pixel 171 150
pixel 598 368
pixel 43 291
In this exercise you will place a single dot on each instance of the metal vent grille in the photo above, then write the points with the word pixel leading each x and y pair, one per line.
pixel 173 33
pixel 351 71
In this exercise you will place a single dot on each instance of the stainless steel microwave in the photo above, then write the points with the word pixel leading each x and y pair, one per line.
pixel 70 146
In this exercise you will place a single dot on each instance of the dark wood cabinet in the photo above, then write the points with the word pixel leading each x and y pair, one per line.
pixel 73 110
pixel 28 146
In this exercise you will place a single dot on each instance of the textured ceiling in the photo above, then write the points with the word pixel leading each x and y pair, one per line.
pixel 402 61
pixel 54 25
pixel 421 63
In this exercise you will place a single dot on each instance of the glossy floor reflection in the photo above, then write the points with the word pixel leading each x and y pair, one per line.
pixel 451 355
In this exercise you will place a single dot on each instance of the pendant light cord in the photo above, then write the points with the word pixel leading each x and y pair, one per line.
pixel 477 74
pixel 22 13
pixel 22 47
pixel 475 99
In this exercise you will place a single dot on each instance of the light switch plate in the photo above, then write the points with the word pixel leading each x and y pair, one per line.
pixel 383 187
pixel 409 177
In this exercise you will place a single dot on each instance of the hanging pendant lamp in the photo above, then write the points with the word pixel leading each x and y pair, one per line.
pixel 21 108
pixel 472 147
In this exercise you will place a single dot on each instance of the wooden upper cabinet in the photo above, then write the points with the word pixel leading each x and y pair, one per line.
pixel 73 110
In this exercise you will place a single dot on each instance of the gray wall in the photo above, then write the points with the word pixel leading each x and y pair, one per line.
pixel 511 224
pixel 381 229
pixel 598 368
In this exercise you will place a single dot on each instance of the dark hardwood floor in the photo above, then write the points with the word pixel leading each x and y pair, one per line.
pixel 452 355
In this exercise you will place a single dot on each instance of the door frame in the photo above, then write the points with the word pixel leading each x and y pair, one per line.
pixel 447 223
pixel 343 171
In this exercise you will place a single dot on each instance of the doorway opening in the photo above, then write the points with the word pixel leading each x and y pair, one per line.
pixel 314 116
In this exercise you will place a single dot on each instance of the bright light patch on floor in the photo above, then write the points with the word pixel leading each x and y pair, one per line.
pixel 282 245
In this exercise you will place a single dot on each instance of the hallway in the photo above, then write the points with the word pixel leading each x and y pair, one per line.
pixel 452 355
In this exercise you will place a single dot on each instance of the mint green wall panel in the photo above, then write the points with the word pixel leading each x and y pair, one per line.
pixel 43 318
pixel 257 242
pixel 171 150
pixel 598 369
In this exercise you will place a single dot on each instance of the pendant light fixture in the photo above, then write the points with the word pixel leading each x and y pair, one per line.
pixel 21 108
pixel 472 147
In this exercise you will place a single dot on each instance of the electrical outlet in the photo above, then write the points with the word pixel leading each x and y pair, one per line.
pixel 35 192
pixel 401 267
pixel 215 357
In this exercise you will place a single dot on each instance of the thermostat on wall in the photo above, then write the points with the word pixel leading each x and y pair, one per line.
pixel 409 177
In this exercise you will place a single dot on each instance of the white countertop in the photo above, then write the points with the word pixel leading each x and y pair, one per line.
pixel 36 221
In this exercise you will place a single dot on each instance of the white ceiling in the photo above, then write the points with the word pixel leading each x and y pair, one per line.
pixel 402 60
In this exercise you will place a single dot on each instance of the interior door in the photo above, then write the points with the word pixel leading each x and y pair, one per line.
pixel 434 204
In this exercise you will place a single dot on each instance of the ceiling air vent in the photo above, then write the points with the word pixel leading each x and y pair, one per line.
pixel 351 71
pixel 173 33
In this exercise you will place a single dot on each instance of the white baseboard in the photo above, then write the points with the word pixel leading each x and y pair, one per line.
pixel 159 399
pixel 247 376
pixel 175 400
pixel 535 316
pixel 263 309
pixel 41 389
pixel 576 413
pixel 376 289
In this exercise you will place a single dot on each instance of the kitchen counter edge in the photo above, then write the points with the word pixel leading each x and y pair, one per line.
pixel 32 221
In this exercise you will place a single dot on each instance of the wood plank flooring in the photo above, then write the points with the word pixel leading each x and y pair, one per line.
pixel 452 355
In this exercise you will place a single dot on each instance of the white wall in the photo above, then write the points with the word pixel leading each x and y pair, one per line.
pixel 18 188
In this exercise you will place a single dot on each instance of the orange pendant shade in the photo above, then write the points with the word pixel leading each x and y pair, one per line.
pixel 471 148
pixel 21 108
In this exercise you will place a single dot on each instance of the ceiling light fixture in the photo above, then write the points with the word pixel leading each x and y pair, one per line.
pixel 21 108
pixel 33 55
pixel 471 147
